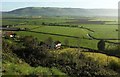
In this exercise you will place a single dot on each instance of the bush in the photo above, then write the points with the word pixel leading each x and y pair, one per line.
pixel 74 63
pixel 70 61
pixel 114 65
pixel 101 45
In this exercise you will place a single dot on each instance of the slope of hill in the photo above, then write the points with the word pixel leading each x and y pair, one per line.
pixel 14 66
pixel 30 59
pixel 52 11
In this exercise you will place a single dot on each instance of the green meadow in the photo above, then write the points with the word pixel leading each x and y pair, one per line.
pixel 62 33
pixel 27 57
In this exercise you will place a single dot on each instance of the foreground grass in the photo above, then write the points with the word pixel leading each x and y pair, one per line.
pixel 12 65
pixel 18 57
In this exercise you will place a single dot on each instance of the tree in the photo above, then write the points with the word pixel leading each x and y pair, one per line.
pixel 32 52
pixel 101 45
pixel 49 43
pixel 43 23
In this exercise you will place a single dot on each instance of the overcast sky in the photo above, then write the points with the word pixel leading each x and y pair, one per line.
pixel 8 5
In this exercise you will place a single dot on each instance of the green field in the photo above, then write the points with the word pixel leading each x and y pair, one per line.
pixel 62 33
pixel 81 33
pixel 103 31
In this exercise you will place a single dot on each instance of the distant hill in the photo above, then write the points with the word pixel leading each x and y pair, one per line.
pixel 53 11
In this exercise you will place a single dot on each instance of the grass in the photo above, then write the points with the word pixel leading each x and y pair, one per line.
pixel 27 26
pixel 62 31
pixel 101 31
pixel 102 59
pixel 32 21
pixel 12 65
pixel 25 69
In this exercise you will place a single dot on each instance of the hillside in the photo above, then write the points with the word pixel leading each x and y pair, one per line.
pixel 24 59
pixel 52 11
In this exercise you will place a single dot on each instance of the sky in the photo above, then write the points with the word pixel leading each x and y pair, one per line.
pixel 8 5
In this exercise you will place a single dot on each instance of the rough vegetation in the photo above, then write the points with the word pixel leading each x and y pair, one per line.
pixel 41 60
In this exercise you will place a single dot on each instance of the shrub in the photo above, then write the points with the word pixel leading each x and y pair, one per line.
pixel 114 65
pixel 101 45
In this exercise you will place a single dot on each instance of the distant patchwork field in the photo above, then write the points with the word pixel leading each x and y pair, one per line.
pixel 78 35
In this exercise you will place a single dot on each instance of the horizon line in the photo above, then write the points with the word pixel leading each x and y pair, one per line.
pixel 55 7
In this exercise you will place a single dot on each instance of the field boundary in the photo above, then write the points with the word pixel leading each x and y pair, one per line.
pixel 90 36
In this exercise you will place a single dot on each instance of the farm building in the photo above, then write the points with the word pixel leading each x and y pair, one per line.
pixel 57 44
pixel 10 34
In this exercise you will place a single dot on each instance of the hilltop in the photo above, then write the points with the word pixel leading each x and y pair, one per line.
pixel 54 11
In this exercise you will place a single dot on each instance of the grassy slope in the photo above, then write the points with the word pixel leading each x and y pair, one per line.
pixel 103 59
pixel 49 11
pixel 12 65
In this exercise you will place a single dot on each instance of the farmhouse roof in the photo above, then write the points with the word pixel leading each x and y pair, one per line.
pixel 57 42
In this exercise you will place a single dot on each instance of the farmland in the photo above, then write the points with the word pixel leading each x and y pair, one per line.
pixel 79 54
pixel 75 35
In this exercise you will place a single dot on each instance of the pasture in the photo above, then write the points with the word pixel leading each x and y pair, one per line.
pixel 76 36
